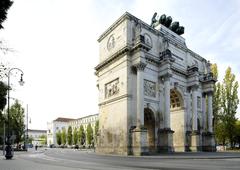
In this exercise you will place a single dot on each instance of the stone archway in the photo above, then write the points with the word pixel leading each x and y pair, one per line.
pixel 149 124
pixel 177 120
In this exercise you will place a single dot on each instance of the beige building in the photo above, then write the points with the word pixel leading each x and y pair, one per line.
pixel 63 123
pixel 152 91
pixel 84 121
pixel 53 127
pixel 36 136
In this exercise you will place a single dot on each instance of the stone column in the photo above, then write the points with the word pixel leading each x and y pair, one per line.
pixel 210 113
pixel 165 135
pixel 209 140
pixel 195 139
pixel 139 134
pixel 194 109
pixel 204 116
pixel 167 102
pixel 140 94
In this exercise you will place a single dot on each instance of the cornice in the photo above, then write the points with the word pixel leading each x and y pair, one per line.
pixel 115 56
pixel 125 16
pixel 120 53
pixel 115 99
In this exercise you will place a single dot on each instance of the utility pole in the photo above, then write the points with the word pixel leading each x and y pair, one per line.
pixel 4 137
pixel 27 127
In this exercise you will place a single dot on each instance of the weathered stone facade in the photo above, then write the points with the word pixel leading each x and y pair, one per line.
pixel 153 91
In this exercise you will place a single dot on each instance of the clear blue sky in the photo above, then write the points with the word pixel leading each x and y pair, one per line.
pixel 55 43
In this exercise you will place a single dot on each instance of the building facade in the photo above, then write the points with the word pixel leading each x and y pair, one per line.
pixel 53 127
pixel 84 121
pixel 63 123
pixel 37 136
pixel 152 91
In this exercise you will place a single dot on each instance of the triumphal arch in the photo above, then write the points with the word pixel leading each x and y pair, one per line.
pixel 155 94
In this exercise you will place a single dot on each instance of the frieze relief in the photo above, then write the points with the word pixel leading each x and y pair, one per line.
pixel 112 88
pixel 149 88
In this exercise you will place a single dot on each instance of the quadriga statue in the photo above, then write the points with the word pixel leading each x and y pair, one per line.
pixel 154 20
pixel 174 26
pixel 168 21
pixel 180 30
pixel 162 19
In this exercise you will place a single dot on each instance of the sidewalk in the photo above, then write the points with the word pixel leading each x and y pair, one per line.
pixel 185 155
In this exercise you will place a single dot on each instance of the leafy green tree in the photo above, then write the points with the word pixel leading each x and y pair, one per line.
pixel 96 128
pixel 4 6
pixel 75 136
pixel 43 139
pixel 30 140
pixel 216 97
pixel 3 94
pixel 89 134
pixel 237 133
pixel 17 121
pixel 64 137
pixel 81 135
pixel 221 133
pixel 230 103
pixel 69 135
pixel 59 138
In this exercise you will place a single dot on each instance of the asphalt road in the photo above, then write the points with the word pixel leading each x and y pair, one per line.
pixel 66 159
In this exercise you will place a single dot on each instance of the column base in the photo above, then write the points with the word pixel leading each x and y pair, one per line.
pixel 165 140
pixel 208 142
pixel 139 142
pixel 195 142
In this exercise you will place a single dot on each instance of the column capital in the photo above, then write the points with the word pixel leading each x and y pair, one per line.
pixel 209 93
pixel 193 87
pixel 140 66
pixel 166 76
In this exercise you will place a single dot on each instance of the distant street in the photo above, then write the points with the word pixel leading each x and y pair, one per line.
pixel 66 159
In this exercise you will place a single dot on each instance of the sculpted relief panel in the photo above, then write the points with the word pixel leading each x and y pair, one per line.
pixel 149 88
pixel 112 88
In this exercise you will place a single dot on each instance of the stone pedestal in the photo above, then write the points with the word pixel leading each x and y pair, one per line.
pixel 139 142
pixel 195 144
pixel 208 142
pixel 165 140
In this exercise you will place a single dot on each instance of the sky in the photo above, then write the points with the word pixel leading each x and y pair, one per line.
pixel 55 43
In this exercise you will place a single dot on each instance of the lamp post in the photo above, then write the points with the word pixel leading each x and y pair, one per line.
pixel 26 132
pixel 8 148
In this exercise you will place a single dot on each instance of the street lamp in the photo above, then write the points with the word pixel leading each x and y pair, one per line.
pixel 8 148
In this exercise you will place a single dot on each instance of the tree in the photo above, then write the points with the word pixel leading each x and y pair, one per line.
pixel 75 136
pixel 237 133
pixel 17 121
pixel 69 135
pixel 64 137
pixel 229 103
pixel 96 128
pixel 81 135
pixel 43 139
pixel 89 134
pixel 59 138
pixel 216 97
pixel 30 140
pixel 4 6
pixel 221 133
pixel 3 94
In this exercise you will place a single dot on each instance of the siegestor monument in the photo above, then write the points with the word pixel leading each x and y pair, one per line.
pixel 155 94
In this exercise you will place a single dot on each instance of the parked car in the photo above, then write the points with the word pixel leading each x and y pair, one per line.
pixel 52 146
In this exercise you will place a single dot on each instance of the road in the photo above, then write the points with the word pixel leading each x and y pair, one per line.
pixel 66 159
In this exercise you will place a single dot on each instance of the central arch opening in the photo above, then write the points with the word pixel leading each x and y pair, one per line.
pixel 177 120
pixel 149 124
